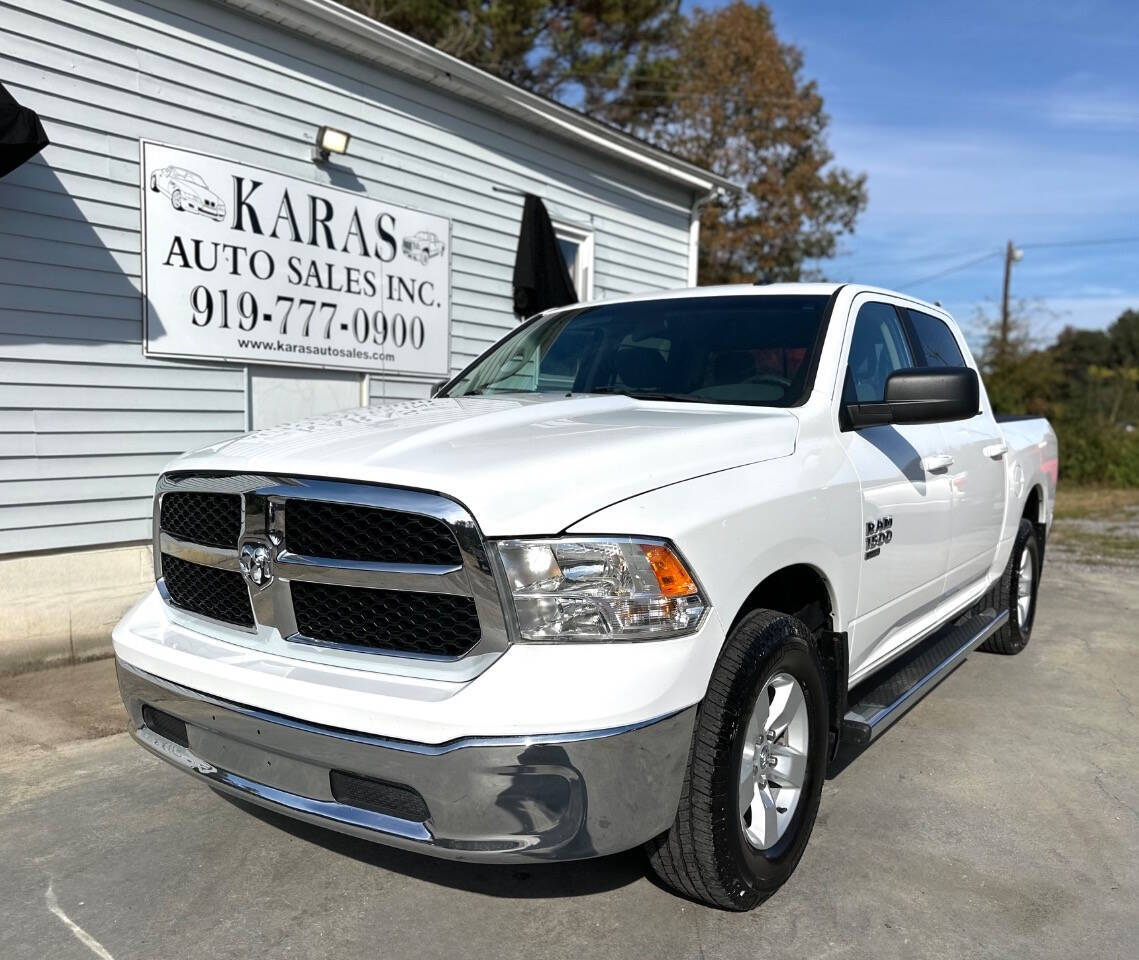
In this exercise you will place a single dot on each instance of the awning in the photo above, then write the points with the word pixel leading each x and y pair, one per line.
pixel 21 133
pixel 541 280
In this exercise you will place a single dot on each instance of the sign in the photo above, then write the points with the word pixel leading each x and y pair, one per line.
pixel 245 265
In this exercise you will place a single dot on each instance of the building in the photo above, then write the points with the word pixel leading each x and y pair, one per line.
pixel 178 266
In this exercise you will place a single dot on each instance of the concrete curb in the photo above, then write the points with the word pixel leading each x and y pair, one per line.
pixel 60 608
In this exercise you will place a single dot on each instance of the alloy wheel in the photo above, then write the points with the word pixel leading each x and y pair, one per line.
pixel 773 767
pixel 1026 574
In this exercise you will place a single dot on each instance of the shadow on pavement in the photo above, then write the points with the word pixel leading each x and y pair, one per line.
pixel 524 880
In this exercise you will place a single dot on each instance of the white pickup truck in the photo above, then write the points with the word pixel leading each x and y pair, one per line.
pixel 632 577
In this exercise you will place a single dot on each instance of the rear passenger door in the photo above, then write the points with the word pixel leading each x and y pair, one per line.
pixel 906 519
pixel 977 473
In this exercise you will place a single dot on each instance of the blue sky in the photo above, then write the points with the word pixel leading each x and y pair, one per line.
pixel 978 123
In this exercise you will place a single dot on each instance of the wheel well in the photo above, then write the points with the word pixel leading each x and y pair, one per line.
pixel 1034 513
pixel 802 591
pixel 799 590
pixel 1032 505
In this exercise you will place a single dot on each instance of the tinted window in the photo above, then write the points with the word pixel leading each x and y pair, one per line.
pixel 877 349
pixel 935 341
pixel 739 349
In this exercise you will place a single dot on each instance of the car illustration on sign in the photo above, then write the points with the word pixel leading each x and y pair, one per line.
pixel 422 246
pixel 187 191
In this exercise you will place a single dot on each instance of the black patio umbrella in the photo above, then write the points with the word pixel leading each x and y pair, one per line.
pixel 21 133
pixel 541 280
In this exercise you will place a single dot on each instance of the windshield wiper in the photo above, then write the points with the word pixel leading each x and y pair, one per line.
pixel 651 395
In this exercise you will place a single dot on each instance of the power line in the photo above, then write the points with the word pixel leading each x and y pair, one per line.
pixel 953 269
pixel 1035 246
pixel 1081 243
pixel 901 261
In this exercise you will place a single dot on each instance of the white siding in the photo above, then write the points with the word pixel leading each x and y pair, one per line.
pixel 85 421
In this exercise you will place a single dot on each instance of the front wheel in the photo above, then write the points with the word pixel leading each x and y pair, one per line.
pixel 755 770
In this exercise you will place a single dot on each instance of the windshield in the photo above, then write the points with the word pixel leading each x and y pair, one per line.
pixel 753 350
pixel 194 178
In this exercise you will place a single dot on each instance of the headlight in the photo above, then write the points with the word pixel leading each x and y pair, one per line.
pixel 601 588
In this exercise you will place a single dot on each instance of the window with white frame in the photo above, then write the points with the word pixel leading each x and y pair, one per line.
pixel 576 246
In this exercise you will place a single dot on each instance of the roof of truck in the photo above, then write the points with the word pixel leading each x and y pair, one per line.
pixel 772 290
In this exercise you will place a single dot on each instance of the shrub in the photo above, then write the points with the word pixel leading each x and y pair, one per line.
pixel 1097 454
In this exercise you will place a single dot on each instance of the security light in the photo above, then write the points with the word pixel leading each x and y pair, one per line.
pixel 329 141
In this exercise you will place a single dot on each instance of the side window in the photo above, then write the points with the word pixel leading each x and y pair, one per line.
pixel 877 349
pixel 935 341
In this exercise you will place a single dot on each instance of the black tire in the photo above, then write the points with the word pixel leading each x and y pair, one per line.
pixel 176 199
pixel 153 183
pixel 1014 635
pixel 705 854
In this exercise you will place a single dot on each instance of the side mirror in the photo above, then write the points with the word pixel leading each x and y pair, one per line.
pixel 928 395
pixel 436 387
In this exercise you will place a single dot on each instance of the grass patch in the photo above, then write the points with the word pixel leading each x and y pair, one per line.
pixel 1097 524
pixel 1095 503
pixel 1094 543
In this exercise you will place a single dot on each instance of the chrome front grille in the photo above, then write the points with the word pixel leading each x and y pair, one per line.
pixel 341 566
pixel 347 532
pixel 396 620
pixel 210 518
pixel 211 592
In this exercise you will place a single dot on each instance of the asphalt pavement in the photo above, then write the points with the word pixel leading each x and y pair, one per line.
pixel 1000 818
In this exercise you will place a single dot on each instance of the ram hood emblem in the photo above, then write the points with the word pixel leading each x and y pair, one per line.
pixel 256 564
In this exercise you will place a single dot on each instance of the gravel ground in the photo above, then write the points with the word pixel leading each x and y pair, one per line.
pixel 999 819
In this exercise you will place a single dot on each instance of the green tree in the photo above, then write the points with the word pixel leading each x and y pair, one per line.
pixel 1121 374
pixel 1124 337
pixel 717 88
pixel 591 54
pixel 1087 381
pixel 1076 353
pixel 1099 371
pixel 740 106
pixel 1019 376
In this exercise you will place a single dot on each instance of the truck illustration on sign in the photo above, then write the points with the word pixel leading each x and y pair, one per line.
pixel 422 246
pixel 187 191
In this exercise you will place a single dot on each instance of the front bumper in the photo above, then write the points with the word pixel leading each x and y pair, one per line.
pixel 563 796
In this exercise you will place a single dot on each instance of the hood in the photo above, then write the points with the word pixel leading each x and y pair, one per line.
pixel 524 464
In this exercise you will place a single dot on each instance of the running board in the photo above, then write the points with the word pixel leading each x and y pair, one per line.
pixel 885 696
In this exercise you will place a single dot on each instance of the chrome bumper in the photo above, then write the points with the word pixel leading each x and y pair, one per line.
pixel 492 799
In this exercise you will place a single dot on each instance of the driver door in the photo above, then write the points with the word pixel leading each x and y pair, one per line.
pixel 906 496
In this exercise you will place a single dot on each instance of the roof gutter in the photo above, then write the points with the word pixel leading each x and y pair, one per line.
pixel 342 28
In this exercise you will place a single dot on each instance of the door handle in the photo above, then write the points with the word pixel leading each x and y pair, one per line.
pixel 940 461
pixel 995 450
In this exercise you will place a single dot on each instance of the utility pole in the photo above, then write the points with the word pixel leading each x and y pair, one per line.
pixel 1012 254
